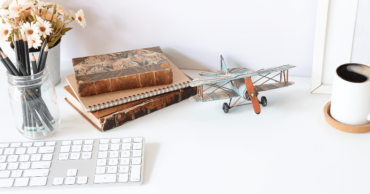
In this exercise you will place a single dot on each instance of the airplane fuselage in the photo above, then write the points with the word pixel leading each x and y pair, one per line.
pixel 239 87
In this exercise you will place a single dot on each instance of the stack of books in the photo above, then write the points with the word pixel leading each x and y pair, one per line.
pixel 109 108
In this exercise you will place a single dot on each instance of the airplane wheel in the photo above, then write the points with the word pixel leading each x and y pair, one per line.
pixel 225 107
pixel 264 101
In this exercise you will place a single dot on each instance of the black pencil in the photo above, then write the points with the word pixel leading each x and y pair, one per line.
pixel 26 54
pixel 10 64
pixel 40 55
pixel 43 58
pixel 33 62
pixel 21 50
pixel 22 68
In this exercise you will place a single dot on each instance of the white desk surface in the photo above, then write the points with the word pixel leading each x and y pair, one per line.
pixel 197 148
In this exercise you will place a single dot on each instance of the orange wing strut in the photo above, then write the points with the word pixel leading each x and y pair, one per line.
pixel 252 95
pixel 235 102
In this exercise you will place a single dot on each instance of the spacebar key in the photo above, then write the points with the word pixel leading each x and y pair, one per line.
pixel 106 178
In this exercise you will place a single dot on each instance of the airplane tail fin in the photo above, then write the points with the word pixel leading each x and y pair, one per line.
pixel 223 66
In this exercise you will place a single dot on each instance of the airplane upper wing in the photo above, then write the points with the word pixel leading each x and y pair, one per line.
pixel 216 73
pixel 219 95
pixel 230 77
pixel 265 87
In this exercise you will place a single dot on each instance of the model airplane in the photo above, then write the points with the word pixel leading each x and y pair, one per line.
pixel 242 87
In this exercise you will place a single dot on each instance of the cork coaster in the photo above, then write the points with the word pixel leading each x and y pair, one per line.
pixel 343 127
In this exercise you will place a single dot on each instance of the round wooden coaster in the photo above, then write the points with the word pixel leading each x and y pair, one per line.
pixel 343 127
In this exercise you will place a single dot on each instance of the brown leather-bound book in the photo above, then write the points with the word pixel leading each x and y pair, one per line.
pixel 121 71
pixel 116 116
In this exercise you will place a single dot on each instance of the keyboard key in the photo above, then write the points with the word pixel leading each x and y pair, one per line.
pixel 87 148
pixel 39 144
pixel 137 146
pixel 82 180
pixel 112 170
pixel 36 157
pixel 40 165
pixel 36 173
pixel 86 155
pixel 72 172
pixel 16 173
pixel 39 181
pixel 122 178
pixel 114 146
pixel 65 148
pixel 103 147
pixel 106 178
pixel 135 173
pixel 77 142
pixel 1 151
pixel 3 166
pixel 21 182
pixel 101 162
pixel 24 158
pixel 102 154
pixel 104 141
pixel 13 166
pixel 136 161
pixel 66 143
pixel 115 140
pixel 27 144
pixel 138 140
pixel 58 181
pixel 6 183
pixel 75 156
pixel 125 161
pixel 125 154
pixel 113 162
pixel 9 151
pixel 4 145
pixel 15 145
pixel 4 174
pixel 25 165
pixel 70 181
pixel 76 148
pixel 126 140
pixel 99 170
pixel 136 153
pixel 89 142
pixel 2 158
pixel 126 146
pixel 47 157
pixel 50 143
pixel 46 150
pixel 113 154
pixel 20 151
pixel 12 158
pixel 123 169
pixel 63 156
pixel 32 150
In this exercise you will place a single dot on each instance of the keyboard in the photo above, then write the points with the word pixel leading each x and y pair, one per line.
pixel 71 163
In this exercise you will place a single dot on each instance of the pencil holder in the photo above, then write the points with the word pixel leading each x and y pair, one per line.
pixel 34 105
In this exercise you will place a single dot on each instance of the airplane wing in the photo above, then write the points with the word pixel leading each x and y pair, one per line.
pixel 216 73
pixel 265 87
pixel 218 95
pixel 230 77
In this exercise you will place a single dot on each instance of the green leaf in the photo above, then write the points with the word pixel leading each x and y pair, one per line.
pixel 54 40
pixel 65 30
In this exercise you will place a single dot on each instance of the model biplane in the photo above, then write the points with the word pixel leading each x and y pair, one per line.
pixel 241 85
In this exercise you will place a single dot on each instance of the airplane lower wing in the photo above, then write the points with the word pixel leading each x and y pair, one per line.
pixel 219 95
pixel 266 87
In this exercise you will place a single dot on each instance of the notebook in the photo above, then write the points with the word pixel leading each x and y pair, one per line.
pixel 106 100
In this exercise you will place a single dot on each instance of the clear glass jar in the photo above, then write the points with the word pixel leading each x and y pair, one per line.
pixel 34 105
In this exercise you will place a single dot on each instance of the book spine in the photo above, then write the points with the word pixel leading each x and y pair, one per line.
pixel 137 97
pixel 140 80
pixel 121 117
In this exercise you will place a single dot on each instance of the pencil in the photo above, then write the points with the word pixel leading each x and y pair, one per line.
pixel 43 58
pixel 22 68
pixel 21 50
pixel 34 67
pixel 40 55
pixel 10 64
pixel 26 55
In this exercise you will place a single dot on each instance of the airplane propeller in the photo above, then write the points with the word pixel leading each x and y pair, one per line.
pixel 252 95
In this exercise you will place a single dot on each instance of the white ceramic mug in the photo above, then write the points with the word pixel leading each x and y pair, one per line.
pixel 350 101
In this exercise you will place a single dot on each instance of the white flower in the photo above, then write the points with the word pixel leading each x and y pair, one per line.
pixel 5 30
pixel 30 29
pixel 34 42
pixel 80 17
pixel 73 13
pixel 61 11
pixel 5 3
pixel 43 4
pixel 44 27
pixel 4 13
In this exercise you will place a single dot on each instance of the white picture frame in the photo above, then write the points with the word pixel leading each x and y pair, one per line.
pixel 335 28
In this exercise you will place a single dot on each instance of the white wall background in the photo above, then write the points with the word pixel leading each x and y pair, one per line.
pixel 361 41
pixel 193 33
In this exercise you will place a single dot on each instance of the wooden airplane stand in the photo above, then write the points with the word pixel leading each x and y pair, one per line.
pixel 341 126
